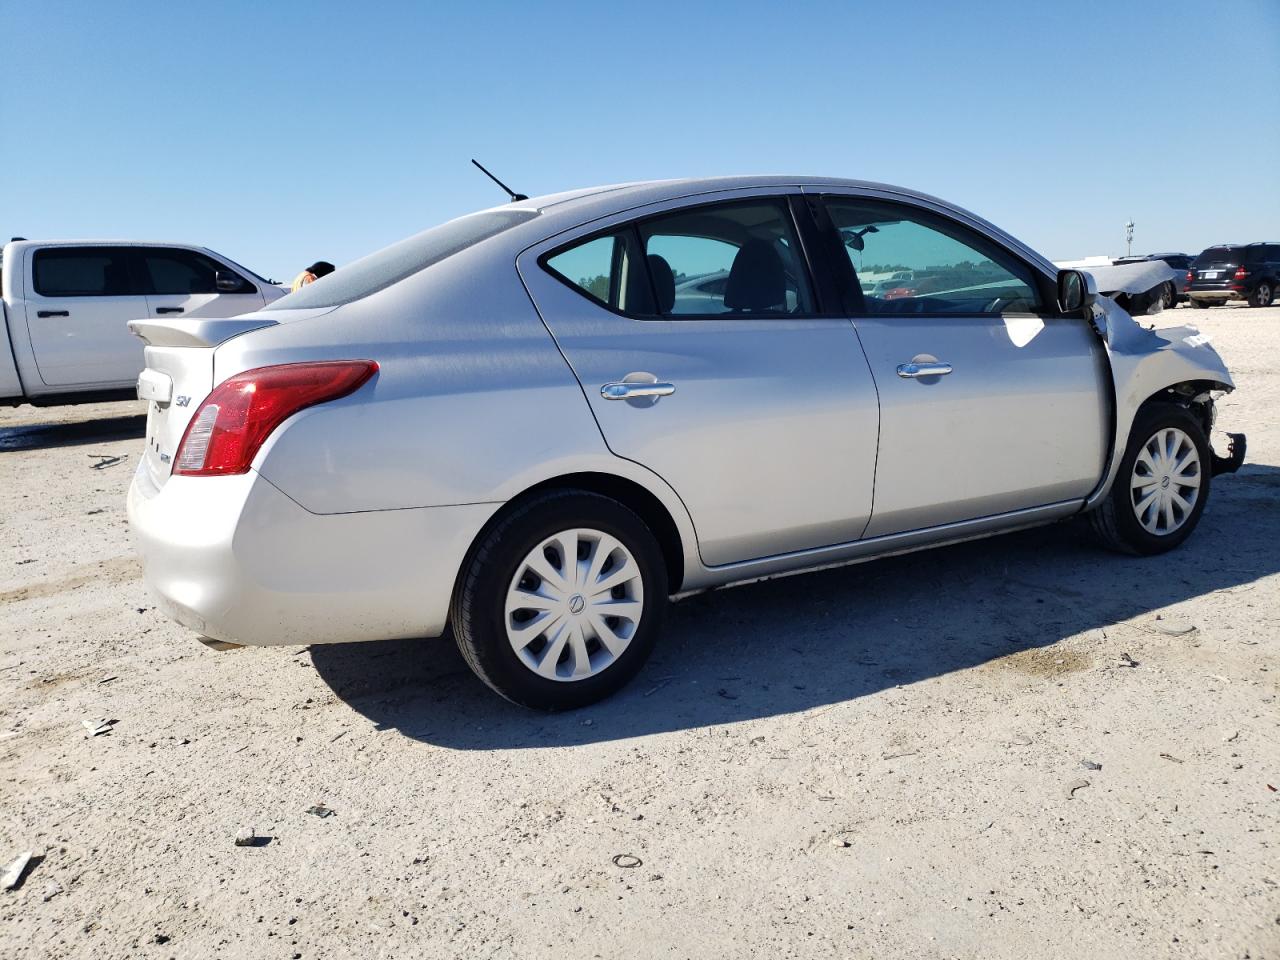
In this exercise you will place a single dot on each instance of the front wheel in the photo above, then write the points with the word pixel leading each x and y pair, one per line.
pixel 1162 486
pixel 561 601
pixel 1262 295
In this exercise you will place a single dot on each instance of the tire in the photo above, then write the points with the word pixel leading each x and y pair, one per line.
pixel 1200 304
pixel 1116 520
pixel 1168 296
pixel 1262 294
pixel 499 574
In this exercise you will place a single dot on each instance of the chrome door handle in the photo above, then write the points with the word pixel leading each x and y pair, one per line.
pixel 626 390
pixel 912 370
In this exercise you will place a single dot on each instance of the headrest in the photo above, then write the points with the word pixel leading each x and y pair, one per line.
pixel 756 279
pixel 664 282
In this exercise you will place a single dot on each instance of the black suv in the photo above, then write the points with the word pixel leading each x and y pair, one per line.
pixel 1175 291
pixel 1235 272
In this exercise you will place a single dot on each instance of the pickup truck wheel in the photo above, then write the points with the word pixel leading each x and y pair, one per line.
pixel 561 602
pixel 1162 486
pixel 1262 295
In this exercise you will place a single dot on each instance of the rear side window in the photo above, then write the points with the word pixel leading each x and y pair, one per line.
pixel 82 272
pixel 734 259
pixel 1220 256
pixel 392 264
pixel 607 269
pixel 181 272
pixel 728 259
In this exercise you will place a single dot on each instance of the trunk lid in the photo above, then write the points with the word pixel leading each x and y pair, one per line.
pixel 177 377
pixel 1216 265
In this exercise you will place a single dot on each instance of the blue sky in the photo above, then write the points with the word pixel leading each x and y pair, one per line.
pixel 279 132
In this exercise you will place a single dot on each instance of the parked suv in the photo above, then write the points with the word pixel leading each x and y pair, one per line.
pixel 1235 272
pixel 1175 291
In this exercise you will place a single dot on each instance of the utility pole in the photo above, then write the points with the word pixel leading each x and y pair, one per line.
pixel 1128 238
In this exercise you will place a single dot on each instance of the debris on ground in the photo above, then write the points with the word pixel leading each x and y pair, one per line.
pixel 1091 764
pixel 626 861
pixel 1127 661
pixel 1075 785
pixel 1169 756
pixel 321 811
pixel 840 842
pixel 1174 628
pixel 51 890
pixel 105 460
pixel 1021 740
pixel 97 727
pixel 246 838
pixel 12 876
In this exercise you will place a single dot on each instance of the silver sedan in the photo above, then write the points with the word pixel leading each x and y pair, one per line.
pixel 530 426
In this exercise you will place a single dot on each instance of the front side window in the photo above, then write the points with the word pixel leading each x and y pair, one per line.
pixel 907 260
pixel 729 259
pixel 82 272
pixel 185 272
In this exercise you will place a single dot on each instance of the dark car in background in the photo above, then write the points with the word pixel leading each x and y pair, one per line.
pixel 1175 292
pixel 1235 271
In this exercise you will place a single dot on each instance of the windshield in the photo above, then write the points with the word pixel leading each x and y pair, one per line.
pixel 1220 255
pixel 392 264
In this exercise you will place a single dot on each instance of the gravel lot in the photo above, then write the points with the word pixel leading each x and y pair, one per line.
pixel 879 761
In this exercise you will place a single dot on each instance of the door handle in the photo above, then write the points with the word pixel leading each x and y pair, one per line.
pixel 52 313
pixel 915 369
pixel 626 390
pixel 168 309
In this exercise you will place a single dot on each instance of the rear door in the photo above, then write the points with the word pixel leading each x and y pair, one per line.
pixel 705 356
pixel 186 283
pixel 79 300
pixel 989 401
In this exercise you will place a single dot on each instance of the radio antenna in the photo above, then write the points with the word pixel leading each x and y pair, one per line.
pixel 515 197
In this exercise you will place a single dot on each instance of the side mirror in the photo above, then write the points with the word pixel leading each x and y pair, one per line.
pixel 227 282
pixel 1077 290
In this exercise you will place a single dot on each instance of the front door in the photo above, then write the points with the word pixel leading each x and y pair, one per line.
pixel 184 283
pixel 989 401
pixel 700 348
pixel 79 301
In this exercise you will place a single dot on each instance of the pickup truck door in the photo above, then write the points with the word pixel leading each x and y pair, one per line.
pixel 989 402
pixel 78 302
pixel 185 283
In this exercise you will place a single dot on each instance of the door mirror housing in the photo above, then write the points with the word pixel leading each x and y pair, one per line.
pixel 227 282
pixel 1077 290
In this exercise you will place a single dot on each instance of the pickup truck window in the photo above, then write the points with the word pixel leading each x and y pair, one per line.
pixel 82 272
pixel 172 271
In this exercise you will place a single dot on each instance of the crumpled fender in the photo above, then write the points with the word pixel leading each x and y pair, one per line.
pixel 1143 362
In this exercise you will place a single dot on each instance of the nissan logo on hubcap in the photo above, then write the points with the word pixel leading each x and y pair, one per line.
pixel 1164 482
pixel 577 604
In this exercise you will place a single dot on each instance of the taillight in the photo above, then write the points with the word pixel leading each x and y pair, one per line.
pixel 1241 274
pixel 235 420
pixel 1191 275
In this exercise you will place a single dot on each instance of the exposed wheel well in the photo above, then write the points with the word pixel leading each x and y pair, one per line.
pixel 627 492
pixel 1195 395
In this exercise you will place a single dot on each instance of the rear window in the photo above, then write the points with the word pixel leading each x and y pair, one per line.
pixel 392 264
pixel 1220 255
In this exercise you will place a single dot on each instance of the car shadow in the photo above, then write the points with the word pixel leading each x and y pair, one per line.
pixel 790 645
pixel 48 435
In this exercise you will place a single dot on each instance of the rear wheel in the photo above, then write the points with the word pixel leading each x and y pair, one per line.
pixel 1262 295
pixel 562 601
pixel 1162 486
pixel 1168 296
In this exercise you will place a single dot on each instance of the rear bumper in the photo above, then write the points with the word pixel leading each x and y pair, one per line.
pixel 236 560
pixel 1218 295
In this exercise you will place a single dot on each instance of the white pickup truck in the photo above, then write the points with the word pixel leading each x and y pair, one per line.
pixel 66 305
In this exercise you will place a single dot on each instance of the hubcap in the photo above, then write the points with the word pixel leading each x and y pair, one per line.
pixel 1165 484
pixel 574 604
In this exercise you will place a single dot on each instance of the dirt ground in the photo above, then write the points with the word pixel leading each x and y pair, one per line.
pixel 886 760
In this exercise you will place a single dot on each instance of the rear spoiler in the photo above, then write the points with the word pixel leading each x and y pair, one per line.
pixel 195 331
